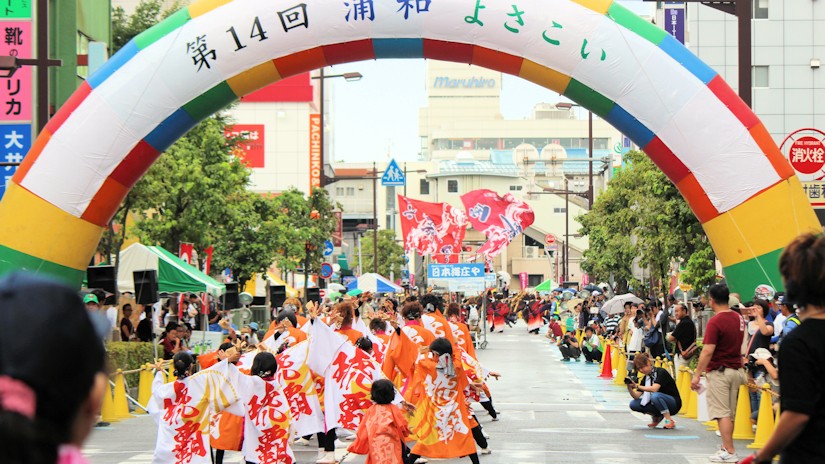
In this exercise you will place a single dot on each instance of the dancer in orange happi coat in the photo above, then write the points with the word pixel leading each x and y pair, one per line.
pixel 460 330
pixel 441 423
pixel 383 429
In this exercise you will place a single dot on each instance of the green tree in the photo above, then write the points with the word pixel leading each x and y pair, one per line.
pixel 642 215
pixel 390 254
pixel 301 233
pixel 187 194
pixel 246 238
pixel 147 14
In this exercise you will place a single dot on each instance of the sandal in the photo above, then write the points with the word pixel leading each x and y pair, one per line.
pixel 655 421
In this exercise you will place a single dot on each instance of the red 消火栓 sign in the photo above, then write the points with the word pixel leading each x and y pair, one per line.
pixel 807 155
pixel 315 166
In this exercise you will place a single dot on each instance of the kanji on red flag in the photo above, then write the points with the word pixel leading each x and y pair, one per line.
pixel 501 219
pixel 186 251
pixel 208 261
pixel 435 229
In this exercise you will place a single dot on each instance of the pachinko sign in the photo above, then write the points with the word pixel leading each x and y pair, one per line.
pixel 805 150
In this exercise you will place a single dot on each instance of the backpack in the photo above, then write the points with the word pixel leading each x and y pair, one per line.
pixel 652 337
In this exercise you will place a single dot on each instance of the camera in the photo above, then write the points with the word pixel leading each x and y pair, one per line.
pixel 628 380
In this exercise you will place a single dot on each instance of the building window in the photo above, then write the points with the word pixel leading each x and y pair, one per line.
pixel 533 280
pixel 761 76
pixel 339 191
pixel 559 210
pixel 424 187
pixel 515 188
pixel 760 9
pixel 452 186
pixel 350 191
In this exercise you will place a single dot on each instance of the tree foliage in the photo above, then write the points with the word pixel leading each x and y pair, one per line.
pixel 147 13
pixel 303 226
pixel 390 254
pixel 642 215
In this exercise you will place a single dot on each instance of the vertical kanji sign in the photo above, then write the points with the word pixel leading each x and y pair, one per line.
pixel 16 96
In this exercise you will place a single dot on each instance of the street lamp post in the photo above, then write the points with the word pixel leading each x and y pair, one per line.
pixel 590 191
pixel 349 77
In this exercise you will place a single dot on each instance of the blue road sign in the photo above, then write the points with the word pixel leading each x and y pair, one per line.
pixel 326 270
pixel 16 141
pixel 328 248
pixel 455 271
pixel 393 176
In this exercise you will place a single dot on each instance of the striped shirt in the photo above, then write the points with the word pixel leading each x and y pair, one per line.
pixel 611 324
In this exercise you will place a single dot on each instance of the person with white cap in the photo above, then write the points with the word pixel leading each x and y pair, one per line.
pixel 762 360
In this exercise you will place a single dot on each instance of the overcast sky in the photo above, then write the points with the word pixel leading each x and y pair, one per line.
pixel 377 116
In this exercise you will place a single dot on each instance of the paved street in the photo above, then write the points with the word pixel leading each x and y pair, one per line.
pixel 551 412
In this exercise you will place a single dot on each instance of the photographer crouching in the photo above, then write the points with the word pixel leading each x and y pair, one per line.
pixel 657 395
pixel 569 347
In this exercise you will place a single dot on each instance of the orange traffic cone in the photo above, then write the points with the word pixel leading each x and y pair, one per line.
pixel 607 366
pixel 742 429
pixel 764 423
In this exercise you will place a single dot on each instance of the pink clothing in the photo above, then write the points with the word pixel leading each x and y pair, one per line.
pixel 70 454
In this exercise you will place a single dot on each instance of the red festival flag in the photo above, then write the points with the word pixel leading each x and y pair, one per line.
pixel 186 251
pixel 501 219
pixel 435 229
pixel 208 261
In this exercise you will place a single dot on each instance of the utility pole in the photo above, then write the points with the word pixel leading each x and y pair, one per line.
pixel 591 193
pixel 374 218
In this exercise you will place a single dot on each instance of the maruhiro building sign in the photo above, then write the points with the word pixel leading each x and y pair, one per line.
pixel 467 83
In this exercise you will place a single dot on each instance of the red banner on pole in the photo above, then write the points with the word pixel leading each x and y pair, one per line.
pixel 435 229
pixel 208 260
pixel 186 251
pixel 501 219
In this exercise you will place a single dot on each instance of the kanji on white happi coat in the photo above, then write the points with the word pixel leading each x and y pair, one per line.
pixel 348 376
pixel 299 388
pixel 267 421
pixel 183 408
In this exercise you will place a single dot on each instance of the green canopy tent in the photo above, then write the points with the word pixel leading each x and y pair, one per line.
pixel 174 274
pixel 546 286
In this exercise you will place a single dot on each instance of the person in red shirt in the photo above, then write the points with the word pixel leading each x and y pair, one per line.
pixel 721 358
pixel 554 331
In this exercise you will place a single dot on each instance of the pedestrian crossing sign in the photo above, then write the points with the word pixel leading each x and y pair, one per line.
pixel 393 176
